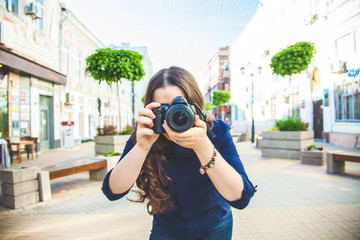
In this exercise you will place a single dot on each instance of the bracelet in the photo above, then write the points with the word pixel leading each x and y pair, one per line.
pixel 211 163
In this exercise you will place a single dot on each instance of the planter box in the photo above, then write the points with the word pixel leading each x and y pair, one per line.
pixel 104 144
pixel 313 157
pixel 283 144
pixel 19 187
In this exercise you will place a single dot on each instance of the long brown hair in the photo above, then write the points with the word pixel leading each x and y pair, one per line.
pixel 153 181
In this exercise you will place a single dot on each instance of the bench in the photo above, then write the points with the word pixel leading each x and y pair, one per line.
pixel 97 168
pixel 336 161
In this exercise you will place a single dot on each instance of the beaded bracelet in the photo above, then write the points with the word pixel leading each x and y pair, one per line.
pixel 211 163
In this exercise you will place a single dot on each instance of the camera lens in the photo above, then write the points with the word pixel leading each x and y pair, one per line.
pixel 180 118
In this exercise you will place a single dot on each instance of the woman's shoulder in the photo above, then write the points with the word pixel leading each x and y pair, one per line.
pixel 219 125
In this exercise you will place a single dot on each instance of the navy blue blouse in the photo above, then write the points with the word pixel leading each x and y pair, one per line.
pixel 198 205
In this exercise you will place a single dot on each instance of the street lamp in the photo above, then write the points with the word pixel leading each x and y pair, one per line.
pixel 242 69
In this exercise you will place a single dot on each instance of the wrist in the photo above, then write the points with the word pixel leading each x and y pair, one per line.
pixel 142 149
pixel 205 152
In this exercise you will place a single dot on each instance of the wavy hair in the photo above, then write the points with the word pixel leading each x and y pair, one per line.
pixel 153 182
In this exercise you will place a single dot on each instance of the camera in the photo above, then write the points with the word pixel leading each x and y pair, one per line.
pixel 179 115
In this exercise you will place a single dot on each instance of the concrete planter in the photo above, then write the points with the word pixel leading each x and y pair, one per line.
pixel 104 144
pixel 19 187
pixel 313 157
pixel 284 144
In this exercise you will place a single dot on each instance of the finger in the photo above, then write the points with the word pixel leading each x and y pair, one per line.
pixel 198 122
pixel 146 112
pixel 167 129
pixel 145 121
pixel 147 132
pixel 153 105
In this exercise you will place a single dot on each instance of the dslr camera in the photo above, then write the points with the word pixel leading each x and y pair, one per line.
pixel 179 115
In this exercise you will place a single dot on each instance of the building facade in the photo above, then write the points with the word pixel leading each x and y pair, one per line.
pixel 217 77
pixel 326 94
pixel 31 83
pixel 43 83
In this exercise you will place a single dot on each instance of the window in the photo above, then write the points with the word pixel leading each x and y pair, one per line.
pixel 40 21
pixel 347 102
pixel 13 6
pixel 346 46
pixel 273 107
pixel 295 105
pixel 65 59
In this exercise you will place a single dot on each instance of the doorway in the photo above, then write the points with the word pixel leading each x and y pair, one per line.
pixel 46 136
pixel 318 119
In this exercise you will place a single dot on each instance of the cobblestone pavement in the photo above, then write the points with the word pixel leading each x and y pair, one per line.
pixel 293 201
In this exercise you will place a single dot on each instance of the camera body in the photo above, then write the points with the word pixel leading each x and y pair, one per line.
pixel 179 115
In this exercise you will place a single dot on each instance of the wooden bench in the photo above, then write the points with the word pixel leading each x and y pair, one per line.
pixel 336 161
pixel 97 168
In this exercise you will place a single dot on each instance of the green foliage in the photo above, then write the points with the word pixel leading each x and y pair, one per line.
pixel 128 130
pixel 313 148
pixel 291 124
pixel 208 106
pixel 113 153
pixel 112 65
pixel 294 59
pixel 106 130
pixel 220 97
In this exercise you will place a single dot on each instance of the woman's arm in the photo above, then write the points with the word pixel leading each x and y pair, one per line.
pixel 229 179
pixel 225 178
pixel 125 173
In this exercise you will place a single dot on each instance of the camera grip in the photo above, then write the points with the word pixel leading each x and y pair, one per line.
pixel 158 124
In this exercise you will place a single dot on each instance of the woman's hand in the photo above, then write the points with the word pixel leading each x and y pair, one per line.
pixel 194 138
pixel 145 135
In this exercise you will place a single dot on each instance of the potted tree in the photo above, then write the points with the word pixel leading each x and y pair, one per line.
pixel 111 66
pixel 293 60
pixel 220 97
pixel 288 137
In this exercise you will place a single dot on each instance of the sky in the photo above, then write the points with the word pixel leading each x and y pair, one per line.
pixel 184 33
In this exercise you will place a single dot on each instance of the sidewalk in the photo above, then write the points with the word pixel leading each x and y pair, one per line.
pixel 293 201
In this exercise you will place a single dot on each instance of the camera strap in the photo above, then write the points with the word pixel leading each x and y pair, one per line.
pixel 208 129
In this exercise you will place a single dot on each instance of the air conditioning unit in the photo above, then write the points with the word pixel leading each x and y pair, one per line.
pixel 338 66
pixel 70 98
pixel 34 10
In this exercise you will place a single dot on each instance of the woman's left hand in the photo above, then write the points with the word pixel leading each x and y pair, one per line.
pixel 194 138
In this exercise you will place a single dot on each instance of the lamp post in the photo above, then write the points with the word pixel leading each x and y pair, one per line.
pixel 242 69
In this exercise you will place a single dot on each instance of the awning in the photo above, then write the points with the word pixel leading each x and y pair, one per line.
pixel 23 64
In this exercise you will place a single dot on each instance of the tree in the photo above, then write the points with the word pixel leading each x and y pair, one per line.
pixel 220 97
pixel 208 106
pixel 111 66
pixel 293 60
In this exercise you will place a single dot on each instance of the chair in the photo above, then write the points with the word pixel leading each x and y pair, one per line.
pixel 28 148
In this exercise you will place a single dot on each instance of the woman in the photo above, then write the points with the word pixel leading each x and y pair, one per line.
pixel 189 179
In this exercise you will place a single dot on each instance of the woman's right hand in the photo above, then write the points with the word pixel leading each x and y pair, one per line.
pixel 145 135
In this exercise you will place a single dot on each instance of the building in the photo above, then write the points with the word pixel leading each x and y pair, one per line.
pixel 79 99
pixel 325 95
pixel 43 83
pixel 31 82
pixel 217 77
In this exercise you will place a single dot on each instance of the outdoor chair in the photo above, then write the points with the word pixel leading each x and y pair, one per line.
pixel 28 147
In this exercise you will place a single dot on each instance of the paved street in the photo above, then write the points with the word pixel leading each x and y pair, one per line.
pixel 293 201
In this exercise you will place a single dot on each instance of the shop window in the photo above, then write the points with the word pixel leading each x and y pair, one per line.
pixel 347 102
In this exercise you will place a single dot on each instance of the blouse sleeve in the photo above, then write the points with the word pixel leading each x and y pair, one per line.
pixel 228 151
pixel 106 187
